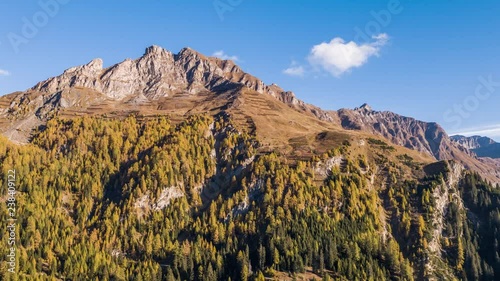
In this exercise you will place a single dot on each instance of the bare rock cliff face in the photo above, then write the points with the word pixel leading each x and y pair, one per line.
pixel 429 138
pixel 481 146
pixel 473 142
pixel 159 73
pixel 405 131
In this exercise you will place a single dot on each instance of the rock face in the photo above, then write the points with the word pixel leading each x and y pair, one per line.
pixel 429 138
pixel 482 146
pixel 405 131
pixel 473 142
pixel 159 73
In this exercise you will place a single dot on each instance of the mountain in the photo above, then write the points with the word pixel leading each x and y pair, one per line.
pixel 429 138
pixel 150 84
pixel 482 146
pixel 160 82
pixel 409 132
pixel 473 142
pixel 184 167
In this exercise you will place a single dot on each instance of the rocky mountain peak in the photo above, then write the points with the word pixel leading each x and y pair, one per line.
pixel 157 53
pixel 160 73
pixel 405 131
pixel 189 55
pixel 154 49
pixel 473 142
pixel 364 107
pixel 187 51
pixel 94 66
pixel 79 76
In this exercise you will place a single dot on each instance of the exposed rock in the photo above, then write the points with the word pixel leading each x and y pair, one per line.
pixel 323 169
pixel 365 107
pixel 443 195
pixel 167 195
pixel 405 131
pixel 481 146
pixel 429 138
pixel 145 203
pixel 159 73
pixel 473 142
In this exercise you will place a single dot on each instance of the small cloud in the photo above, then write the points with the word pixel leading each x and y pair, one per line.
pixel 294 70
pixel 4 72
pixel 492 131
pixel 222 55
pixel 338 57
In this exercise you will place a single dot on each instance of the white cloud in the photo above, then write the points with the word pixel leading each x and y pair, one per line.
pixel 4 72
pixel 294 70
pixel 492 131
pixel 222 55
pixel 338 57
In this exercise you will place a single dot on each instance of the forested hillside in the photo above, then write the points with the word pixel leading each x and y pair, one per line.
pixel 145 199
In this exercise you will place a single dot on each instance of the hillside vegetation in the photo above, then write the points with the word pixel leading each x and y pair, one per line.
pixel 144 199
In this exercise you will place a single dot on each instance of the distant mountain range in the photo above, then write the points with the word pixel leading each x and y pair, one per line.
pixel 160 82
pixel 482 146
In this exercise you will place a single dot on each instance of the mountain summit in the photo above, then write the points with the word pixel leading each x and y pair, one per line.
pixel 160 74
pixel 364 107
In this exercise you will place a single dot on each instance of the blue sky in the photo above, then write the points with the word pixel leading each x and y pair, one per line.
pixel 432 60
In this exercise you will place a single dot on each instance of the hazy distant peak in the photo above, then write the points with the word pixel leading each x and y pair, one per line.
pixel 473 142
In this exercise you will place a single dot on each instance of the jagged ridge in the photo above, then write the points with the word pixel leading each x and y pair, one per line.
pixel 160 73
pixel 482 146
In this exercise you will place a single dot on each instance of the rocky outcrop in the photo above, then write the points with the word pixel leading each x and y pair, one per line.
pixel 160 73
pixel 427 137
pixel 481 146
pixel 443 194
pixel 405 131
pixel 473 142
